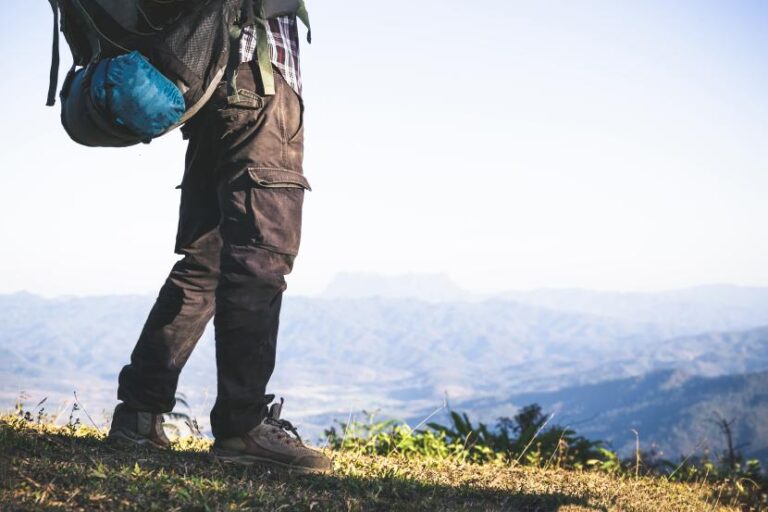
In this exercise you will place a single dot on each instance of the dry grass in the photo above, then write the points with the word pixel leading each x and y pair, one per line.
pixel 47 467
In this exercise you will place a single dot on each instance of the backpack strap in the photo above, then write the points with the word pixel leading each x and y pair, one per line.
pixel 263 50
pixel 53 83
pixel 264 57
pixel 92 34
pixel 303 15
pixel 253 15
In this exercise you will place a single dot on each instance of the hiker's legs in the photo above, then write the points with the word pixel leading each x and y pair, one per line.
pixel 239 230
pixel 186 301
pixel 260 192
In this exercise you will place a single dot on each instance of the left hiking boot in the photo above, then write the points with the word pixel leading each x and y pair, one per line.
pixel 137 428
pixel 275 443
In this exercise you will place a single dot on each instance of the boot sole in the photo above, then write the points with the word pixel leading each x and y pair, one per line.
pixel 242 459
pixel 123 438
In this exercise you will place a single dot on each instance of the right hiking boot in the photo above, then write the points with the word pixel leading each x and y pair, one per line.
pixel 274 443
pixel 130 426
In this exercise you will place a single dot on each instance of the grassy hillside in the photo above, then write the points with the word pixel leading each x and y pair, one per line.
pixel 68 468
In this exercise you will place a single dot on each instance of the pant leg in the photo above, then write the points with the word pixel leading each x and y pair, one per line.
pixel 186 301
pixel 260 192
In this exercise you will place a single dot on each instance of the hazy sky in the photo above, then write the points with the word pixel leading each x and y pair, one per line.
pixel 603 144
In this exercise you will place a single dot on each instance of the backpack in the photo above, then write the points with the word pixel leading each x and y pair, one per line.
pixel 144 67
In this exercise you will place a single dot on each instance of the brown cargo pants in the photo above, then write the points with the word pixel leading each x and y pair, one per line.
pixel 239 231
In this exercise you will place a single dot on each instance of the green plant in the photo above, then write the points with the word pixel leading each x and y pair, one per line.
pixel 529 440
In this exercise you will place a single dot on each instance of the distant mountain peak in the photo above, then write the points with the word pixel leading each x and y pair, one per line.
pixel 675 379
pixel 426 287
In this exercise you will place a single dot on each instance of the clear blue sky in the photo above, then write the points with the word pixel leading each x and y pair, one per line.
pixel 603 144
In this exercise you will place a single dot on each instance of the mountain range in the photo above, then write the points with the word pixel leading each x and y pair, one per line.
pixel 400 354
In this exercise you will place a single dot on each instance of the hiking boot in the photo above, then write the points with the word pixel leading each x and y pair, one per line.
pixel 138 428
pixel 274 442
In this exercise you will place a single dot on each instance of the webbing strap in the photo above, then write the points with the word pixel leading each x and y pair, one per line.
pixel 53 83
pixel 263 55
pixel 303 15
pixel 265 59
pixel 234 58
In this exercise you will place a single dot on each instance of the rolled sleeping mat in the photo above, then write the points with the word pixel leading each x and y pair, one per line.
pixel 119 102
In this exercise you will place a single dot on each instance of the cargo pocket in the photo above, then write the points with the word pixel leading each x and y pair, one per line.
pixel 273 206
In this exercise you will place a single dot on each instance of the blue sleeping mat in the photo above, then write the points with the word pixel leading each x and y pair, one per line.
pixel 135 95
pixel 120 101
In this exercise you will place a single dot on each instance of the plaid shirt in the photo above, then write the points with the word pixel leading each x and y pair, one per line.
pixel 283 36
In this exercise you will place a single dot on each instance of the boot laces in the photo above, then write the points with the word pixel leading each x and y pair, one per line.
pixel 285 425
pixel 273 418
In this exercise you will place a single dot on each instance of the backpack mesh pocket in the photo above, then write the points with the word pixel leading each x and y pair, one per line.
pixel 192 51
